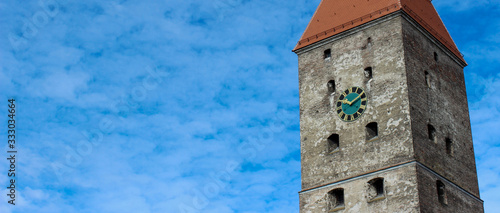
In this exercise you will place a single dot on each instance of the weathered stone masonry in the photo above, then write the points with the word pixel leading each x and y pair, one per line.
pixel 413 83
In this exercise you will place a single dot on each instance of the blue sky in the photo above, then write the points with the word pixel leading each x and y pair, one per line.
pixel 171 106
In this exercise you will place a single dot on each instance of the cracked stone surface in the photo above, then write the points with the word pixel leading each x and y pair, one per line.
pixel 402 104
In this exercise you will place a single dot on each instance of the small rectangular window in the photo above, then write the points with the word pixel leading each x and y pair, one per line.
pixel 376 189
pixel 327 54
pixel 449 146
pixel 441 191
pixel 368 73
pixel 331 86
pixel 336 200
pixel 333 143
pixel 371 131
pixel 431 131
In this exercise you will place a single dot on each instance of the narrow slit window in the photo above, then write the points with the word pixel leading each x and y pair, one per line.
pixel 436 57
pixel 376 188
pixel 368 43
pixel 333 143
pixel 368 72
pixel 327 54
pixel 371 131
pixel 431 131
pixel 449 146
pixel 441 191
pixel 336 200
pixel 331 86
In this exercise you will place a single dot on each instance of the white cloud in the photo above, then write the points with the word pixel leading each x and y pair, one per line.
pixel 59 85
pixel 485 129
pixel 230 73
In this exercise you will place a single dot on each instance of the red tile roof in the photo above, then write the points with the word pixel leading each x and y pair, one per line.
pixel 336 16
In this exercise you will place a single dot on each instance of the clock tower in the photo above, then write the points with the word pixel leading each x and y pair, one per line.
pixel 384 119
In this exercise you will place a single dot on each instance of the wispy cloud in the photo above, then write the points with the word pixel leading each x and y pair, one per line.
pixel 474 26
pixel 144 105
pixel 228 68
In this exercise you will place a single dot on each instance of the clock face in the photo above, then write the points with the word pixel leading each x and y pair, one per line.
pixel 351 104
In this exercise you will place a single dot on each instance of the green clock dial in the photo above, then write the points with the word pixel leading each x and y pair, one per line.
pixel 351 104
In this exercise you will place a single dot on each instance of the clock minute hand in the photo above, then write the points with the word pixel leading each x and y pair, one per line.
pixel 354 100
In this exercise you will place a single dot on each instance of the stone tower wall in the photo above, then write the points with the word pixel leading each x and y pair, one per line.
pixel 400 187
pixel 387 105
pixel 458 200
pixel 403 102
pixel 443 104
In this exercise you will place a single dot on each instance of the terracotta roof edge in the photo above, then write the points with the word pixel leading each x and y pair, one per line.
pixel 341 27
pixel 451 47
pixel 309 24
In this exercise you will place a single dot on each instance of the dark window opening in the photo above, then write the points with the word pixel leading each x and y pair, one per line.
pixel 431 131
pixel 336 199
pixel 427 79
pixel 449 146
pixel 371 131
pixel 436 57
pixel 331 86
pixel 441 191
pixel 368 43
pixel 333 142
pixel 327 53
pixel 368 72
pixel 376 188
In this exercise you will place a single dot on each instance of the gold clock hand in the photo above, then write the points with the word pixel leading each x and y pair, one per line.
pixel 356 98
